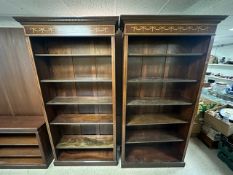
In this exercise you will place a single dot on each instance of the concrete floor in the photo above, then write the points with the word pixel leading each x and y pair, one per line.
pixel 199 161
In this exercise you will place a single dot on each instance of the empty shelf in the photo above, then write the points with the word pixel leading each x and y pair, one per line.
pixel 85 142
pixel 160 80
pixel 79 80
pixel 80 101
pixel 86 155
pixel 26 161
pixel 19 140
pixel 151 136
pixel 154 153
pixel 154 119
pixel 20 123
pixel 82 119
pixel 20 152
pixel 153 101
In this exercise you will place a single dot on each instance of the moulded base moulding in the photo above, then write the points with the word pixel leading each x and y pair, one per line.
pixel 125 164
pixel 85 163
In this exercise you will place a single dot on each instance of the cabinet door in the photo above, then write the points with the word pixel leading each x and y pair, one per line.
pixel 18 79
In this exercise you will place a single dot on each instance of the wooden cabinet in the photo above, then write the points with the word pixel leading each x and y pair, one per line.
pixel 24 141
pixel 165 58
pixel 75 63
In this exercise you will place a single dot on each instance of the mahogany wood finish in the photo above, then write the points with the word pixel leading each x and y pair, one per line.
pixel 165 58
pixel 75 62
pixel 24 141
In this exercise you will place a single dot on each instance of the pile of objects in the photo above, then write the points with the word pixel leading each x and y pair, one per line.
pixel 217 131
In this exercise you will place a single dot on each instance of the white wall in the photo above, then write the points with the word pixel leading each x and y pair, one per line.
pixel 8 22
pixel 225 51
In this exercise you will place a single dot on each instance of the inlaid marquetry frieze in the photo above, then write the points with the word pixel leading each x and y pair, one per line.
pixel 70 30
pixel 162 28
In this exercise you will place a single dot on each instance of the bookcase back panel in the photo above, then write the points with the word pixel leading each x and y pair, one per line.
pixel 74 45
pixel 181 112
pixel 90 109
pixel 145 45
pixel 159 152
pixel 151 109
pixel 99 67
pixel 86 130
pixel 145 67
pixel 74 67
pixel 163 90
pixel 190 68
pixel 82 89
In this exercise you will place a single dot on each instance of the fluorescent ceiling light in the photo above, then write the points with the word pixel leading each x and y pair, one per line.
pixel 231 29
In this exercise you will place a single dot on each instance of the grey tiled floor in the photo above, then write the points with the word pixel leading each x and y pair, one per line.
pixel 199 161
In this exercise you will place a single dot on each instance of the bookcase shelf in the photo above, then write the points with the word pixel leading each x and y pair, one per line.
pixel 167 55
pixel 160 80
pixel 73 55
pixel 154 119
pixel 149 101
pixel 164 61
pixel 80 101
pixel 85 142
pixel 78 80
pixel 76 70
pixel 83 119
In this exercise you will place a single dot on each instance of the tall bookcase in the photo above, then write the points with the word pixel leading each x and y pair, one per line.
pixel 75 63
pixel 165 58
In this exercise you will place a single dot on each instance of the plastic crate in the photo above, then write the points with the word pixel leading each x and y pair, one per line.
pixel 226 151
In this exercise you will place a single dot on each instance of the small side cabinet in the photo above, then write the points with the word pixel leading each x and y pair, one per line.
pixel 24 142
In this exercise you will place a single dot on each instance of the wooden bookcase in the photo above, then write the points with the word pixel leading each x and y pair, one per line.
pixel 165 58
pixel 75 63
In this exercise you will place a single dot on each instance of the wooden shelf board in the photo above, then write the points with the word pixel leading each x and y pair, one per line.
pixel 154 119
pixel 166 55
pixel 73 55
pixel 25 161
pixel 85 142
pixel 78 80
pixel 150 154
pixel 20 152
pixel 153 101
pixel 125 164
pixel 18 140
pixel 151 136
pixel 86 155
pixel 160 80
pixel 80 101
pixel 77 162
pixel 82 119
pixel 20 123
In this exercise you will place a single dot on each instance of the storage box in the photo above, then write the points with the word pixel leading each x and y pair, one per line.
pixel 196 129
pixel 225 152
pixel 212 118
pixel 212 144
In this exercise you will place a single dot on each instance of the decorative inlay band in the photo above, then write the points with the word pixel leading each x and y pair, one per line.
pixel 41 30
pixel 131 29
pixel 70 30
